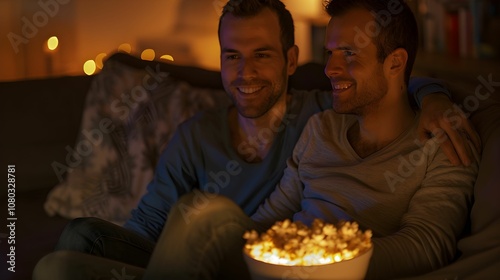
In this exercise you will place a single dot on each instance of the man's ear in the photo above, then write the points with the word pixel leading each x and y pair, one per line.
pixel 293 57
pixel 395 62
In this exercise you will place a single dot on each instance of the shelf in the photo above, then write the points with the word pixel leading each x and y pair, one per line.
pixel 459 42
pixel 459 68
pixel 460 73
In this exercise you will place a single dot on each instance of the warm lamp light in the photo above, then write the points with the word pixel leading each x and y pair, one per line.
pixel 50 54
pixel 89 67
pixel 99 60
pixel 148 54
pixel 52 43
pixel 125 47
pixel 167 57
pixel 312 10
pixel 307 14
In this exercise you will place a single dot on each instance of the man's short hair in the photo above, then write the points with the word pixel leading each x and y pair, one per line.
pixel 396 24
pixel 249 8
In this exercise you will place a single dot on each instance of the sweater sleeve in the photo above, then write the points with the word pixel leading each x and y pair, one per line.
pixel 435 218
pixel 174 176
pixel 419 87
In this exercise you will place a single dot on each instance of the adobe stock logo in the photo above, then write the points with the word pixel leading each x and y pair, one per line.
pixel 121 275
pixel 29 29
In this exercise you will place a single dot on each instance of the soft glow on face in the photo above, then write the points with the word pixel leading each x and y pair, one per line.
pixel 52 43
pixel 294 244
pixel 99 60
pixel 89 67
pixel 148 54
pixel 125 47
pixel 167 57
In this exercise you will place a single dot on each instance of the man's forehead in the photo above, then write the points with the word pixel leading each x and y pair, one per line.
pixel 342 30
pixel 356 17
pixel 263 27
pixel 265 14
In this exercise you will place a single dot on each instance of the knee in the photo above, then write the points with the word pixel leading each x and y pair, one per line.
pixel 53 266
pixel 199 206
pixel 79 235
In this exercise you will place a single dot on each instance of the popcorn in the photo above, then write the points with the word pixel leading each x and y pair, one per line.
pixel 293 243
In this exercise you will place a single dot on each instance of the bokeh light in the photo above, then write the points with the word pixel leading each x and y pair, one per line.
pixel 89 67
pixel 52 43
pixel 167 57
pixel 148 54
pixel 99 60
pixel 125 47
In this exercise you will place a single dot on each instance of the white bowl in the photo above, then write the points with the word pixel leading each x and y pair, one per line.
pixel 350 269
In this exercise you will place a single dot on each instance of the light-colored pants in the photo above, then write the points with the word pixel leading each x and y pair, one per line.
pixel 202 239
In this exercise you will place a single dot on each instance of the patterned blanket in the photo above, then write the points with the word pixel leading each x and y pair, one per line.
pixel 129 117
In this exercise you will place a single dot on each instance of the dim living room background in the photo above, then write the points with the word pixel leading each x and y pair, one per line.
pixel 459 38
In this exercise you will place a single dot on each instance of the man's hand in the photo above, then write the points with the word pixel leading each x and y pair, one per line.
pixel 450 125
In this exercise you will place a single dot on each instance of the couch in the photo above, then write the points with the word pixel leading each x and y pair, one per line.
pixel 42 121
pixel 39 118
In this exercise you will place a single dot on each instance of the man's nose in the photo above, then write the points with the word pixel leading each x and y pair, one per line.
pixel 247 68
pixel 335 65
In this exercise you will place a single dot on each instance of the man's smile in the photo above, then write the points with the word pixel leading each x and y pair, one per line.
pixel 341 86
pixel 249 89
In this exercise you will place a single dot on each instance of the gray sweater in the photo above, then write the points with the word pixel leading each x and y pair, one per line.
pixel 408 194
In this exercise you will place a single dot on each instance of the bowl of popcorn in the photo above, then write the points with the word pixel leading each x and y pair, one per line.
pixel 291 250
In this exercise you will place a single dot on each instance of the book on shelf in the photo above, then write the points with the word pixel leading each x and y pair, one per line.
pixel 458 27
pixel 466 33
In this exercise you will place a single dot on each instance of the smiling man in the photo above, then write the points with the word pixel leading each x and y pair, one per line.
pixel 416 222
pixel 255 67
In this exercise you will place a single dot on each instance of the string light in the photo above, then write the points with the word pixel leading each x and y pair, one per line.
pixel 148 54
pixel 167 57
pixel 89 67
pixel 52 43
pixel 125 47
